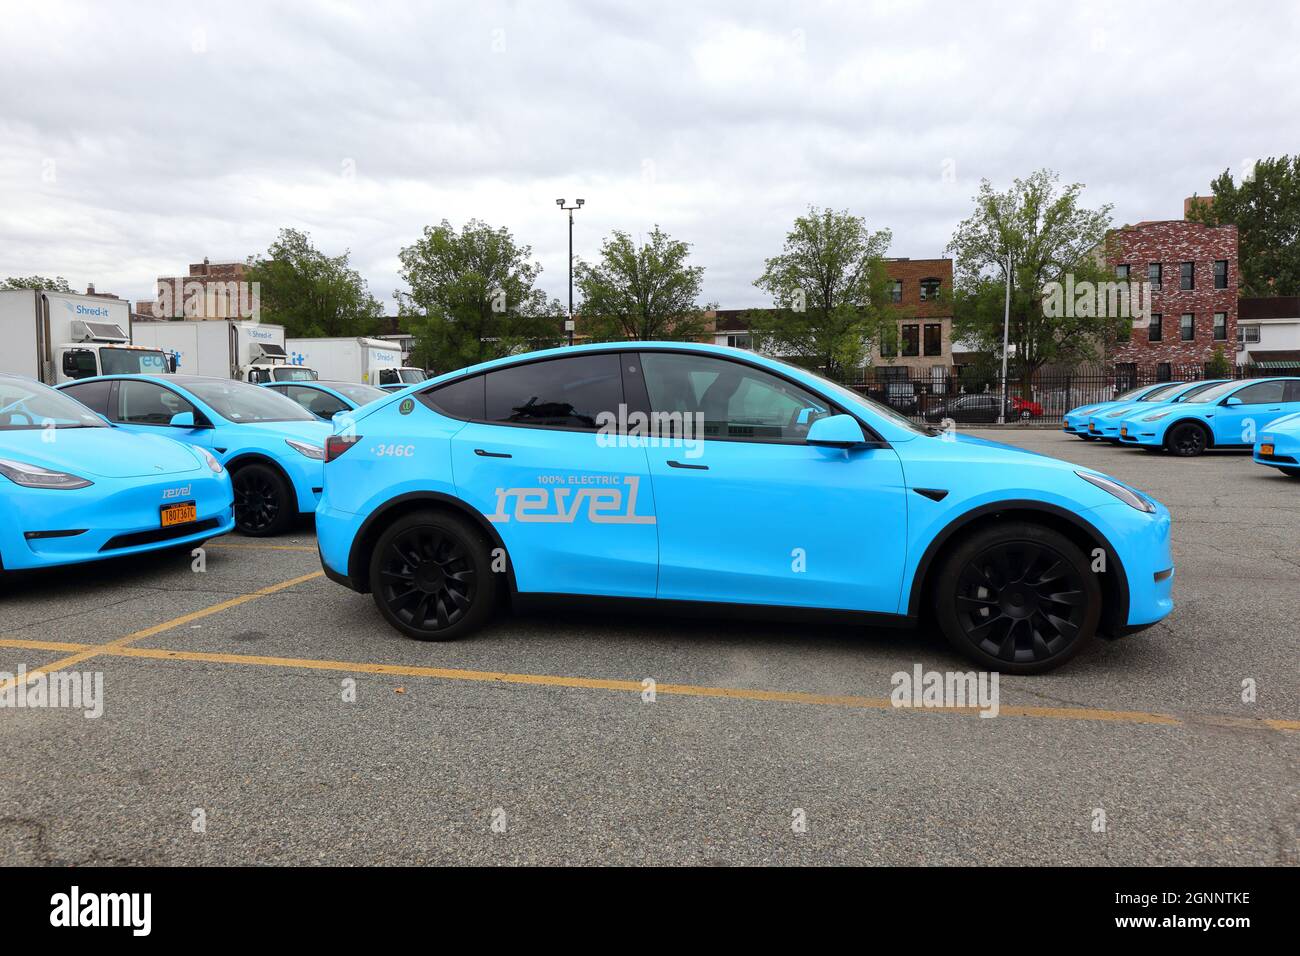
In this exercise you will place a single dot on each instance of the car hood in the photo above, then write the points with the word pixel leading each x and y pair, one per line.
pixel 1288 424
pixel 99 452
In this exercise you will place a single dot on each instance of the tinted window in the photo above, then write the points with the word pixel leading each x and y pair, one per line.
pixel 561 393
pixel 242 403
pixel 1160 394
pixel 361 394
pixel 734 401
pixel 94 395
pixel 1293 391
pixel 321 404
pixel 462 399
pixel 144 403
pixel 1262 393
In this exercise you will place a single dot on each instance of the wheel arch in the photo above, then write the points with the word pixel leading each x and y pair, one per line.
pixel 370 530
pixel 1115 592
pixel 256 458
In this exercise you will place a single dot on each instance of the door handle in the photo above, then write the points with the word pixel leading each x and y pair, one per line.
pixel 682 464
pixel 490 454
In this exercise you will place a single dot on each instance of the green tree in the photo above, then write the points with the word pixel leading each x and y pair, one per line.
pixel 473 296
pixel 57 284
pixel 1265 207
pixel 1218 366
pixel 829 289
pixel 641 294
pixel 311 294
pixel 1049 236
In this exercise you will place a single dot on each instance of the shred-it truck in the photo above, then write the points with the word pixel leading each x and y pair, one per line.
pixel 226 348
pixel 362 360
pixel 58 337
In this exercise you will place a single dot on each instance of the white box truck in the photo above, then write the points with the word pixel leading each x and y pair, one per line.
pixel 362 360
pixel 61 336
pixel 226 348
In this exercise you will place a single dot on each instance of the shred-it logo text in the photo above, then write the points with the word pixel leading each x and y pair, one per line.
pixel 74 909
pixel 561 503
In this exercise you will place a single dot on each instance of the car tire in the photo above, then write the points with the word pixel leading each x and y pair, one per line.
pixel 997 604
pixel 1025 414
pixel 265 504
pixel 1187 440
pixel 431 576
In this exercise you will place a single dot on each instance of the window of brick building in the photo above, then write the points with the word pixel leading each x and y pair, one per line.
pixel 1155 331
pixel 1220 326
pixel 911 340
pixel 1187 276
pixel 896 291
pixel 933 339
pixel 1187 327
pixel 1121 272
pixel 1164 373
pixel 929 289
pixel 1125 376
pixel 1155 274
pixel 1220 273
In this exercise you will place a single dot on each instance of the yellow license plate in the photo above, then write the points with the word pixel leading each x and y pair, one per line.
pixel 179 514
pixel 1266 449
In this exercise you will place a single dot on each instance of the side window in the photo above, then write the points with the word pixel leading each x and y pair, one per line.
pixel 319 403
pixel 388 376
pixel 733 401
pixel 462 399
pixel 94 395
pixel 79 363
pixel 1262 394
pixel 559 393
pixel 1293 391
pixel 144 403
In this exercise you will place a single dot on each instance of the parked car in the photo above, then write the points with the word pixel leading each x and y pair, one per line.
pixel 1227 415
pixel 981 408
pixel 326 399
pixel 1075 421
pixel 777 490
pixel 1025 409
pixel 1279 445
pixel 272 447
pixel 1105 425
pixel 77 489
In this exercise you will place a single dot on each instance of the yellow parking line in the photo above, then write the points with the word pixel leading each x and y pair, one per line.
pixel 635 687
pixel 94 650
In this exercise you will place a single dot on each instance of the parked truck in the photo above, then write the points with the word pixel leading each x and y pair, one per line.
pixel 363 360
pixel 57 337
pixel 227 348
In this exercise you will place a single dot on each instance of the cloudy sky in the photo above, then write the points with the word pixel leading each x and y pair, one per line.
pixel 136 138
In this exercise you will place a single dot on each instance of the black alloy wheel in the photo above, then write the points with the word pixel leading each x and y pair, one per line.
pixel 1188 440
pixel 262 501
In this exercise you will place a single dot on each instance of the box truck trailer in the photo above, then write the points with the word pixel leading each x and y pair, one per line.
pixel 363 360
pixel 226 348
pixel 57 337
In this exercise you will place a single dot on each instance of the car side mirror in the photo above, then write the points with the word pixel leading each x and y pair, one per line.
pixel 183 420
pixel 1232 400
pixel 837 431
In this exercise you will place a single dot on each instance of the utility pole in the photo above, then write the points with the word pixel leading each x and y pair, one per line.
pixel 1006 336
pixel 568 325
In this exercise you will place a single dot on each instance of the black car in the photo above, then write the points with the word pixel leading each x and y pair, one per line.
pixel 966 408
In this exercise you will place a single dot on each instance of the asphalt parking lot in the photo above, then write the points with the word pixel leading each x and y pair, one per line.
pixel 224 704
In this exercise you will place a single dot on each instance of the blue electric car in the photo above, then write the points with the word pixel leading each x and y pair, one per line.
pixel 1076 419
pixel 273 448
pixel 1279 445
pixel 1228 415
pixel 1105 425
pixel 74 488
pixel 326 399
pixel 694 477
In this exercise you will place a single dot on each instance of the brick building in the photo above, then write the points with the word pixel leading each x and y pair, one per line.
pixel 212 290
pixel 1192 269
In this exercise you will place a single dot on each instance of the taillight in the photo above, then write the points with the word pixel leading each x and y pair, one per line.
pixel 336 445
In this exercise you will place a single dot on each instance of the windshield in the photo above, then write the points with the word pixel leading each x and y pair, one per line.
pixel 1159 394
pixel 243 403
pixel 1132 394
pixel 133 362
pixel 293 373
pixel 26 405
pixel 411 375
pixel 361 394
pixel 884 411
pixel 1196 390
pixel 1213 394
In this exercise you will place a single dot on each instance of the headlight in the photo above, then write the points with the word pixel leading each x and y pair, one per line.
pixel 1156 417
pixel 1129 497
pixel 33 476
pixel 303 448
pixel 213 464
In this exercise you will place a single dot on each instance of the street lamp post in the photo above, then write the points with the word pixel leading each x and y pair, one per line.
pixel 1006 335
pixel 569 209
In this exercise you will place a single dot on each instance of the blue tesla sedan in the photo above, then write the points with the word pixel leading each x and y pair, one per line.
pixel 1279 445
pixel 1075 421
pixel 326 399
pixel 1228 415
pixel 273 448
pixel 77 489
pixel 703 479
pixel 1106 424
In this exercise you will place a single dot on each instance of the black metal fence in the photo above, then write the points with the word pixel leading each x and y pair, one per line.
pixel 964 394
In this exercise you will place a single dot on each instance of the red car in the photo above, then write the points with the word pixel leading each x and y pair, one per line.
pixel 1024 409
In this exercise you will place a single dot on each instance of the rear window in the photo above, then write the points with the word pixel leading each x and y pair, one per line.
pixel 557 393
pixel 461 399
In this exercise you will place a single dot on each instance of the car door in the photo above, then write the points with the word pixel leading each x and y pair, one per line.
pixel 148 408
pixel 571 503
pixel 747 511
pixel 1256 405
